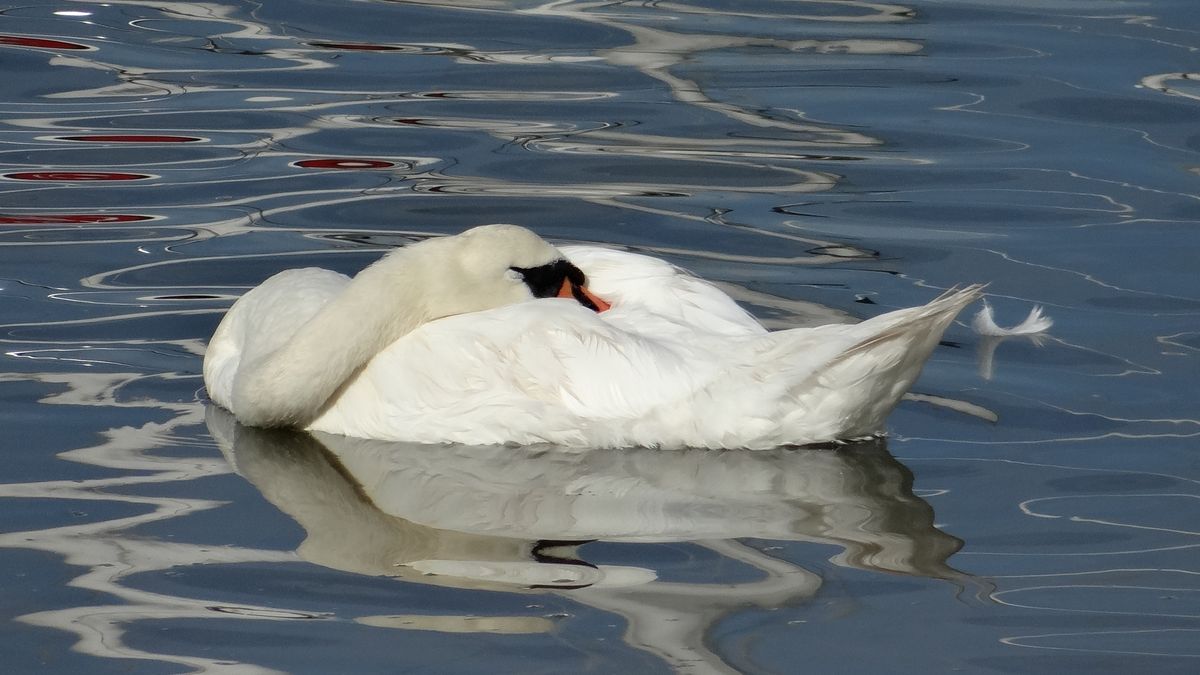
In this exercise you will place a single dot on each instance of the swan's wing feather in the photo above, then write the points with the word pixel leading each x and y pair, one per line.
pixel 540 368
pixel 878 360
pixel 653 297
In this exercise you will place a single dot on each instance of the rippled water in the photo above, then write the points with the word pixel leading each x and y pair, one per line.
pixel 1034 509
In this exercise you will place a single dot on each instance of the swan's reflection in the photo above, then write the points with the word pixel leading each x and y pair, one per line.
pixel 986 351
pixel 509 518
pixel 485 515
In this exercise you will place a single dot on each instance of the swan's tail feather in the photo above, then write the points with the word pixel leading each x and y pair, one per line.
pixel 852 394
pixel 941 309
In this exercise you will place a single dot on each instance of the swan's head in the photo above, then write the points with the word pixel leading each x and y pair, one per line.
pixel 497 265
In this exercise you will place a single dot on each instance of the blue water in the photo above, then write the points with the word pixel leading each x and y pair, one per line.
pixel 1033 510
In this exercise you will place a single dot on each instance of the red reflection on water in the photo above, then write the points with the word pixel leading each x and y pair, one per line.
pixel 360 46
pixel 130 138
pixel 72 218
pixel 344 163
pixel 39 43
pixel 75 175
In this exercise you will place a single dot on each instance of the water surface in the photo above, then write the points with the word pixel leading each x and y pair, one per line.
pixel 1033 509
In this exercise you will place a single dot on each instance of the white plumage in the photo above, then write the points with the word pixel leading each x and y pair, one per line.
pixel 674 363
pixel 1036 323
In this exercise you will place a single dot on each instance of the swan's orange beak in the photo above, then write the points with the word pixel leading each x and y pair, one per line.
pixel 583 296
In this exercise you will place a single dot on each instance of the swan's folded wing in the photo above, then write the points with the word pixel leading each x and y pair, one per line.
pixel 534 372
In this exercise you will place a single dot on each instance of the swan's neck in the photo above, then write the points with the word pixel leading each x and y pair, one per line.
pixel 291 386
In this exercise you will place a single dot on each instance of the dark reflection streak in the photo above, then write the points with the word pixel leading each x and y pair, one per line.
pixel 294 442
pixel 42 43
pixel 33 285
pixel 73 219
pixel 131 138
pixel 104 550
pixel 819 248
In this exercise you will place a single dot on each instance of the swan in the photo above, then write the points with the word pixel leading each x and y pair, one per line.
pixel 494 336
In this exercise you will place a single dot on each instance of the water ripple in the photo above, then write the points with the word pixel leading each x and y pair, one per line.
pixel 821 160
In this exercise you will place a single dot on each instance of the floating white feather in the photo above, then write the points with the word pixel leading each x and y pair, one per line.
pixel 1034 324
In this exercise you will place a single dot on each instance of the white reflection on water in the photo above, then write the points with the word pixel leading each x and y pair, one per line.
pixel 858 498
pixel 986 351
pixel 104 549
pixel 656 50
pixel 1174 84
pixel 495 517
pixel 764 165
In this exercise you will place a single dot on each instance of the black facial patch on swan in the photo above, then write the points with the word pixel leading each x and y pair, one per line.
pixel 545 281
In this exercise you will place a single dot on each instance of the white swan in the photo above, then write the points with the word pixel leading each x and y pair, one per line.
pixel 442 341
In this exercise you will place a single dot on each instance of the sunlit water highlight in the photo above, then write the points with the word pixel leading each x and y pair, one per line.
pixel 821 161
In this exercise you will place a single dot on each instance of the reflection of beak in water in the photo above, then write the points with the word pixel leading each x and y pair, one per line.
pixel 510 518
pixel 470 515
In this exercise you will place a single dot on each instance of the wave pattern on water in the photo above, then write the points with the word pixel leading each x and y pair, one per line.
pixel 820 160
